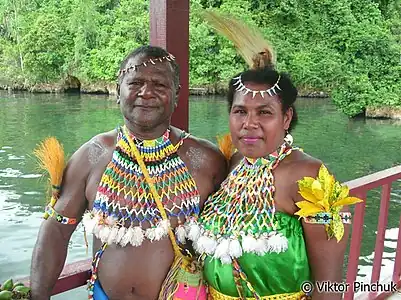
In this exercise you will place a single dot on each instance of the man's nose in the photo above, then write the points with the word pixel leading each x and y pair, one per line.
pixel 146 90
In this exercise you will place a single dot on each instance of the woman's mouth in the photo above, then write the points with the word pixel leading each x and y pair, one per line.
pixel 250 139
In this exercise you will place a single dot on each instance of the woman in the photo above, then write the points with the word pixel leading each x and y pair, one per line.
pixel 275 224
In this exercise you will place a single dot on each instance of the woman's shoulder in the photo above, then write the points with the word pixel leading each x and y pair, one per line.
pixel 302 164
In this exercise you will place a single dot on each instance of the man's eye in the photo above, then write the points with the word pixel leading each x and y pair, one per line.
pixel 239 111
pixel 265 112
pixel 161 85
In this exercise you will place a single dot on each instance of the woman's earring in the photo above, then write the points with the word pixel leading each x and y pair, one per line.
pixel 118 100
pixel 288 138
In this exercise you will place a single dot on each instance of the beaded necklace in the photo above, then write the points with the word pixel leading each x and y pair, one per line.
pixel 124 211
pixel 239 217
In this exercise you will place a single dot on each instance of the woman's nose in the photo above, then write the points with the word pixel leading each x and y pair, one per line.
pixel 251 121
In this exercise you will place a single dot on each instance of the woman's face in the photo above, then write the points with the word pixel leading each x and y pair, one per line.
pixel 258 125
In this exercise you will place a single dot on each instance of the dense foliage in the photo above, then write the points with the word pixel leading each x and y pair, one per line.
pixel 350 49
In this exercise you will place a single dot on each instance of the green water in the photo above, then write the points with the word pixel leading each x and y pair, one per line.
pixel 350 148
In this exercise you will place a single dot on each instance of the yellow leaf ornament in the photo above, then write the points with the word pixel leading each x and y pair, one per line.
pixel 324 199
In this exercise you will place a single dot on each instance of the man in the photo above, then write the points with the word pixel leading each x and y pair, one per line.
pixel 132 250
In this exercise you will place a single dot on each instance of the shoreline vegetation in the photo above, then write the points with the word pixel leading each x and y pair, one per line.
pixel 348 50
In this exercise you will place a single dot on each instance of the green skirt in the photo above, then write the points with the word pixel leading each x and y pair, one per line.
pixel 271 274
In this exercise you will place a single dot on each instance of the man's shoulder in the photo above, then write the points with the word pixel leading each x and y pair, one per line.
pixel 208 157
pixel 206 147
pixel 105 139
pixel 95 147
pixel 201 149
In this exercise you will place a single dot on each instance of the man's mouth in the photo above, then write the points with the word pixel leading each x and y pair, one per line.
pixel 145 106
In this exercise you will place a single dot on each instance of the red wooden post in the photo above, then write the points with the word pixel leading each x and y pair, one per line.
pixel 397 263
pixel 381 231
pixel 356 240
pixel 169 28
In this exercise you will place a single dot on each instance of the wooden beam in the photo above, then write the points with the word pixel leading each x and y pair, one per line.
pixel 374 180
pixel 73 275
pixel 169 29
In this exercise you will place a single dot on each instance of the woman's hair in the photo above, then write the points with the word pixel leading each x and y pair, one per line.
pixel 258 55
pixel 263 72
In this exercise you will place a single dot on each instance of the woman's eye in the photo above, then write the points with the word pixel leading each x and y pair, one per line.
pixel 134 83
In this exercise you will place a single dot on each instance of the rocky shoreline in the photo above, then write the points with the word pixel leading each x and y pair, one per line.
pixel 69 85
pixel 383 112
pixel 73 85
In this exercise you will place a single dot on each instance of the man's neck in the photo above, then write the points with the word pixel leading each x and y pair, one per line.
pixel 147 133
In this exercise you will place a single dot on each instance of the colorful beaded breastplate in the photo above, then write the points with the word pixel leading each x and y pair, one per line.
pixel 239 217
pixel 124 211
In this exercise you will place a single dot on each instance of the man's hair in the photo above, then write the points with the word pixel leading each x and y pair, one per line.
pixel 287 94
pixel 156 52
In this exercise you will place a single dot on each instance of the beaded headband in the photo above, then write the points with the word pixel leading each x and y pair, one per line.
pixel 240 87
pixel 152 61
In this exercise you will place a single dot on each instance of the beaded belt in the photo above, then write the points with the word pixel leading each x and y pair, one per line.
pixel 216 295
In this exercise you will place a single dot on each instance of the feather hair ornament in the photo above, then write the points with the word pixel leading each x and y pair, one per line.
pixel 249 42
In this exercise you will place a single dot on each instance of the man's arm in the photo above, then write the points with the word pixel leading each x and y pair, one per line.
pixel 216 164
pixel 235 160
pixel 50 251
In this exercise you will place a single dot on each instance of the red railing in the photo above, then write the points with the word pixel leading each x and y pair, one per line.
pixel 359 188
pixel 76 274
pixel 73 276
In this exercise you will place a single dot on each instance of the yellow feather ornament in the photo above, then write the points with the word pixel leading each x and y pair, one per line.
pixel 249 41
pixel 50 155
pixel 225 145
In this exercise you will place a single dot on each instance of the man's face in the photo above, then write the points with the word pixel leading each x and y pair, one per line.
pixel 148 94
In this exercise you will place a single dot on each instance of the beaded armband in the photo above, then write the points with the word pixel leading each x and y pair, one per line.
pixel 324 200
pixel 326 218
pixel 59 218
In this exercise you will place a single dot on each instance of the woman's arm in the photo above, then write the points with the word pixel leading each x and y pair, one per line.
pixel 326 255
pixel 326 258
